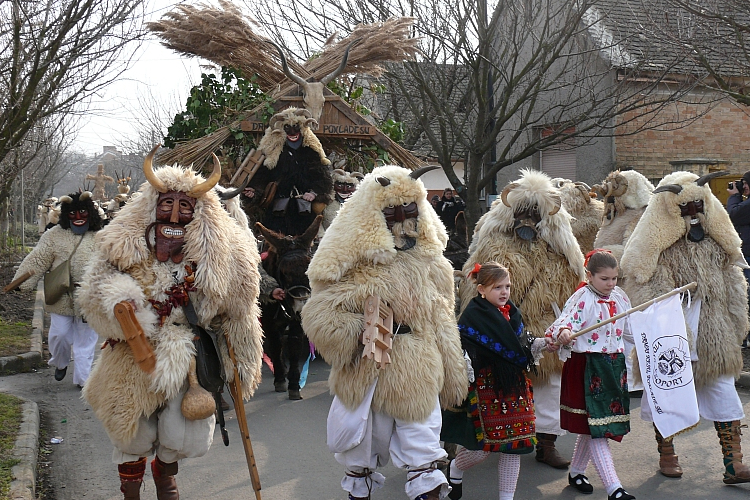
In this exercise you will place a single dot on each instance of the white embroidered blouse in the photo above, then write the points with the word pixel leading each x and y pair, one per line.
pixel 587 307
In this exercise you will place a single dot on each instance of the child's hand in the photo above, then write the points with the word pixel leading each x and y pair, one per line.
pixel 564 337
pixel 551 345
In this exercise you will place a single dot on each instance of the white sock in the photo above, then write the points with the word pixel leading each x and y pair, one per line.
pixel 602 457
pixel 581 455
pixel 508 467
pixel 465 459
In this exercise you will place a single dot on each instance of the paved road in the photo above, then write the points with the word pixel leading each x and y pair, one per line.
pixel 294 462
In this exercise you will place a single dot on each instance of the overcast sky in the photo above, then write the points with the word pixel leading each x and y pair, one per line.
pixel 158 71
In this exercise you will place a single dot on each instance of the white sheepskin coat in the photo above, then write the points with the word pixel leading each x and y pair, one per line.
pixel 614 233
pixel 357 258
pixel 54 247
pixel 542 272
pixel 659 258
pixel 124 269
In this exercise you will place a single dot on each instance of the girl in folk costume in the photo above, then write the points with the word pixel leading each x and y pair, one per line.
pixel 594 402
pixel 500 401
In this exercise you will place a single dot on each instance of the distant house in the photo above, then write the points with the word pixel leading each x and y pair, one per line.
pixel 717 139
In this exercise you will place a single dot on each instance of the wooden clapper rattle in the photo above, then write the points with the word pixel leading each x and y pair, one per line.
pixel 377 336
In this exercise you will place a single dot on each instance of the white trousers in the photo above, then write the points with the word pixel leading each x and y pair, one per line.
pixel 168 433
pixel 68 333
pixel 547 406
pixel 632 384
pixel 411 445
pixel 718 402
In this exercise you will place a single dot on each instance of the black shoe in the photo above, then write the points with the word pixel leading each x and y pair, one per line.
pixel 60 373
pixel 294 395
pixel 621 494
pixel 581 483
pixel 457 489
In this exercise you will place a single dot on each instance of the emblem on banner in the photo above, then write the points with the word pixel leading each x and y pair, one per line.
pixel 672 355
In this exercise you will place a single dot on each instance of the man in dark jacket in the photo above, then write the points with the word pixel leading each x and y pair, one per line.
pixel 738 206
pixel 449 207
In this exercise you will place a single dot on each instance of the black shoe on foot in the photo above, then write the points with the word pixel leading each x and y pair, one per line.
pixel 279 386
pixel 457 489
pixel 294 395
pixel 621 494
pixel 581 483
pixel 60 373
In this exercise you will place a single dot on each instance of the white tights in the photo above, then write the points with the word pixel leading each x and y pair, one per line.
pixel 588 449
pixel 507 469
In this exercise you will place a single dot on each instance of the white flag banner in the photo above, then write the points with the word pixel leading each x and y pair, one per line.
pixel 664 358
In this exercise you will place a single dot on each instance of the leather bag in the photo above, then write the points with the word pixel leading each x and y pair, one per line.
pixel 59 280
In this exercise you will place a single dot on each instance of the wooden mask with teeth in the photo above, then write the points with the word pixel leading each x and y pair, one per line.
pixel 174 210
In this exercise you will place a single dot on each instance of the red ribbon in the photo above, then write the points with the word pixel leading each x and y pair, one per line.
pixel 592 252
pixel 610 305
pixel 505 310
pixel 477 268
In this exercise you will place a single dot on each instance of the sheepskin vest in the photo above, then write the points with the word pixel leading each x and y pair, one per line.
pixel 425 363
pixel 615 235
pixel 722 289
pixel 55 246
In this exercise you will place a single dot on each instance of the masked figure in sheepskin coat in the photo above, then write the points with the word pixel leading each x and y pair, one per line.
pixel 72 238
pixel 173 242
pixel 387 241
pixel 528 231
pixel 586 211
pixel 625 195
pixel 344 185
pixel 297 168
pixel 685 235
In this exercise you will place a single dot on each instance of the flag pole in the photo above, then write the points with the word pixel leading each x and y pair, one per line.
pixel 641 307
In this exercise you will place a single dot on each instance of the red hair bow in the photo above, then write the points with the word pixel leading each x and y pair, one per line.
pixel 477 268
pixel 587 257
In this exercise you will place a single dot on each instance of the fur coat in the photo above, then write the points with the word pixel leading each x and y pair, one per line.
pixel 544 271
pixel 357 258
pixel 123 268
pixel 586 212
pixel 55 246
pixel 659 258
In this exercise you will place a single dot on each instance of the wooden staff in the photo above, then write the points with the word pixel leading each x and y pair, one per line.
pixel 17 282
pixel 235 390
pixel 641 307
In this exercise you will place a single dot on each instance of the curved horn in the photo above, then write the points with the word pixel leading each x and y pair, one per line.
pixel 558 204
pixel 705 178
pixel 384 181
pixel 583 185
pixel 508 189
pixel 358 175
pixel 209 183
pixel 231 193
pixel 66 199
pixel 416 174
pixel 339 171
pixel 148 171
pixel 85 196
pixel 311 123
pixel 285 68
pixel 672 188
pixel 610 188
pixel 341 67
pixel 559 183
pixel 303 112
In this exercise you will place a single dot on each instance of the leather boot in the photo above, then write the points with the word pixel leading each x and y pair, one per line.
pixel 131 478
pixel 547 453
pixel 730 436
pixel 166 486
pixel 668 464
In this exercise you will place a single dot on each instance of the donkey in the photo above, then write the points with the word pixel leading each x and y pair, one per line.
pixel 287 261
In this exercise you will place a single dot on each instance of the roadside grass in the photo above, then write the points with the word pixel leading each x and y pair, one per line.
pixel 15 338
pixel 10 422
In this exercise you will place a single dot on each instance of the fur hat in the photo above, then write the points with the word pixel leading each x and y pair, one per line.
pixel 359 234
pixel 662 225
pixel 273 140
pixel 80 201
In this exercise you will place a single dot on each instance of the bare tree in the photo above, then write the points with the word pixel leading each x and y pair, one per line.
pixel 499 81
pixel 54 56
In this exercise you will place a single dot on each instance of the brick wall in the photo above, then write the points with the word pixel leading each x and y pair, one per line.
pixel 722 133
